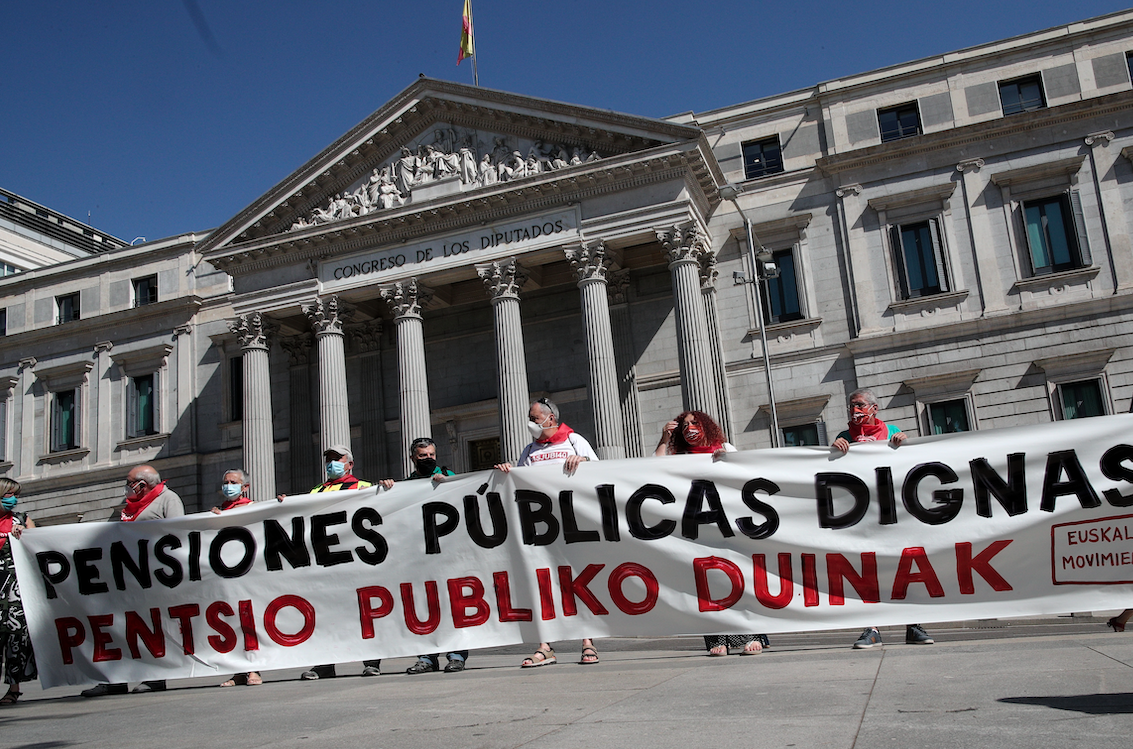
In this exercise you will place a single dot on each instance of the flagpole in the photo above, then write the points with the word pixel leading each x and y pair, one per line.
pixel 472 33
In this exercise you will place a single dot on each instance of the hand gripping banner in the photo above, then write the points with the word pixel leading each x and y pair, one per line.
pixel 1009 522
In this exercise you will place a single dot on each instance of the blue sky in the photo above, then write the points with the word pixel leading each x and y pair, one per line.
pixel 161 117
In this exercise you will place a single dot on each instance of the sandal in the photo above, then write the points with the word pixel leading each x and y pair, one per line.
pixel 589 655
pixel 1117 626
pixel 254 679
pixel 719 651
pixel 755 647
pixel 541 657
pixel 10 698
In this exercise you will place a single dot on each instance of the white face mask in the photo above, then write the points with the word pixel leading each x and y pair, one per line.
pixel 536 429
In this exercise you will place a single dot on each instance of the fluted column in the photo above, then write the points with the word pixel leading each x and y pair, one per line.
pixel 503 280
pixel 684 245
pixel 26 440
pixel 103 422
pixel 708 274
pixel 617 292
pixel 591 265
pixel 326 317
pixel 254 330
pixel 405 299
pixel 305 470
pixel 366 342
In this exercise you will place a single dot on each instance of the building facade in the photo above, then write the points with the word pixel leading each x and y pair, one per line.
pixel 951 233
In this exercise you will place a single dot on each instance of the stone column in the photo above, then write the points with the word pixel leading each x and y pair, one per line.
pixel 26 440
pixel 183 429
pixel 304 469
pixel 366 341
pixel 103 423
pixel 857 256
pixel 326 317
pixel 254 330
pixel 684 245
pixel 617 291
pixel 708 274
pixel 1115 227
pixel 405 299
pixel 591 265
pixel 503 280
pixel 988 276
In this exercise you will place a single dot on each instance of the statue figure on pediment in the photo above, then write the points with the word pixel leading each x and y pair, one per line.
pixel 489 173
pixel 561 160
pixel 500 152
pixel 300 223
pixel 593 156
pixel 387 191
pixel 321 216
pixel 536 161
pixel 445 140
pixel 447 164
pixel 576 156
pixel 467 159
pixel 404 171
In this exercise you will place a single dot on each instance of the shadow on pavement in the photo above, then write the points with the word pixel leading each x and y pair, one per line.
pixel 1094 704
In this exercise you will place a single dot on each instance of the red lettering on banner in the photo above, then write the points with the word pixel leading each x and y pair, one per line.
pixel 460 602
pixel 248 626
pixel 576 587
pixel 102 639
pixel 226 641
pixel 154 639
pixel 303 606
pixel 981 563
pixel 810 580
pixel 905 576
pixel 366 611
pixel 71 634
pixel 503 600
pixel 786 581
pixel 546 597
pixel 433 601
pixel 838 568
pixel 704 599
pixel 185 613
pixel 622 573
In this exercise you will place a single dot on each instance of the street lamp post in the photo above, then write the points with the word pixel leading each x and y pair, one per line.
pixel 763 268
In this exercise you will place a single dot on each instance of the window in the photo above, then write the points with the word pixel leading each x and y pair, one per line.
pixel 142 413
pixel 898 122
pixel 1081 399
pixel 805 434
pixel 1052 234
pixel 8 270
pixel 4 321
pixel 762 157
pixel 235 388
pixel 3 426
pixel 1128 63
pixel 64 420
pixel 781 302
pixel 66 308
pixel 145 290
pixel 920 259
pixel 948 417
pixel 1022 94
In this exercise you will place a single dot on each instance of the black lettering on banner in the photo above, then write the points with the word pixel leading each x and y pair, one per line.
pixel 194 556
pixel 321 541
pixel 476 525
pixel 88 574
pixel 279 546
pixel 241 536
pixel 430 511
pixel 45 560
pixel 886 499
pixel 1066 461
pixel 535 507
pixel 695 516
pixel 749 527
pixel 363 524
pixel 120 560
pixel 824 484
pixel 949 501
pixel 609 508
pixel 571 532
pixel 637 527
pixel 175 574
pixel 1011 494
pixel 1112 468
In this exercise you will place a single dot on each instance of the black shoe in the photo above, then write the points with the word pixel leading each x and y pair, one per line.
pixel 150 686
pixel 318 672
pixel 915 635
pixel 763 641
pixel 421 667
pixel 869 638
pixel 101 690
pixel 454 666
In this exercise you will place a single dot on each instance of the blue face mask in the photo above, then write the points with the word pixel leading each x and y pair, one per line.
pixel 9 503
pixel 336 469
pixel 231 491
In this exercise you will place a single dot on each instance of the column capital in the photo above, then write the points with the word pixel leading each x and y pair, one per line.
pixel 406 298
pixel 102 347
pixel 617 287
pixel 846 190
pixel 28 363
pixel 970 165
pixel 503 278
pixel 683 243
pixel 298 348
pixel 328 315
pixel 1103 138
pixel 181 330
pixel 254 330
pixel 589 261
pixel 708 271
pixel 367 336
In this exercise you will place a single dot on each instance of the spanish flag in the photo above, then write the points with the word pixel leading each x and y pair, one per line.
pixel 466 47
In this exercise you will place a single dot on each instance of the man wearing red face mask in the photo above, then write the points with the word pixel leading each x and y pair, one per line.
pixel 866 427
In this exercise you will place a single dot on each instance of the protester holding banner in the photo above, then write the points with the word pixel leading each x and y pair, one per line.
pixel 864 426
pixel 234 486
pixel 15 640
pixel 147 498
pixel 553 443
pixel 694 432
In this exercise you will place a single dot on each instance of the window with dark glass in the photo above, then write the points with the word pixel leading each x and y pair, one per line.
pixel 64 420
pixel 948 417
pixel 6 269
pixel 1129 63
pixel 142 416
pixel 804 434
pixel 762 157
pixel 920 259
pixel 902 121
pixel 67 307
pixel 4 321
pixel 1022 94
pixel 236 388
pixel 1081 399
pixel 781 301
pixel 145 290
pixel 1052 235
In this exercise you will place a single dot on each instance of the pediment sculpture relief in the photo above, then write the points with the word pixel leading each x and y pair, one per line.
pixel 475 158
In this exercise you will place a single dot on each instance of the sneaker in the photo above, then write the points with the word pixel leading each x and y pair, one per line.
pixel 915 635
pixel 421 667
pixel 150 686
pixel 371 671
pixel 311 675
pixel 101 690
pixel 869 638
pixel 454 666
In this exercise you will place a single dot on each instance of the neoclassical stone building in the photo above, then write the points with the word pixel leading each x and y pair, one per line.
pixel 951 232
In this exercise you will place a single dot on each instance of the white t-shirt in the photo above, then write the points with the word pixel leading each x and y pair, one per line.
pixel 544 453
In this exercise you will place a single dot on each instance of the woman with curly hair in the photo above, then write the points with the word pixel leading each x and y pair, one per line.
pixel 15 640
pixel 696 432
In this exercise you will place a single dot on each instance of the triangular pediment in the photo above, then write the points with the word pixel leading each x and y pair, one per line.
pixel 440 143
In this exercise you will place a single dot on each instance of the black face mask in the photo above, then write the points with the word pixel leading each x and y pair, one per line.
pixel 425 466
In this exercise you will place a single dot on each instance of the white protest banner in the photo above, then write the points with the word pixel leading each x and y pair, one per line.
pixel 1009 522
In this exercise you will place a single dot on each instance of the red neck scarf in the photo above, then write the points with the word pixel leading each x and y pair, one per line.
pixel 7 519
pixel 237 502
pixel 704 448
pixel 134 506
pixel 560 435
pixel 876 432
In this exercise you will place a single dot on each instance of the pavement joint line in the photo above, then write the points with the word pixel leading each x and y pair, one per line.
pixel 868 700
pixel 1107 655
